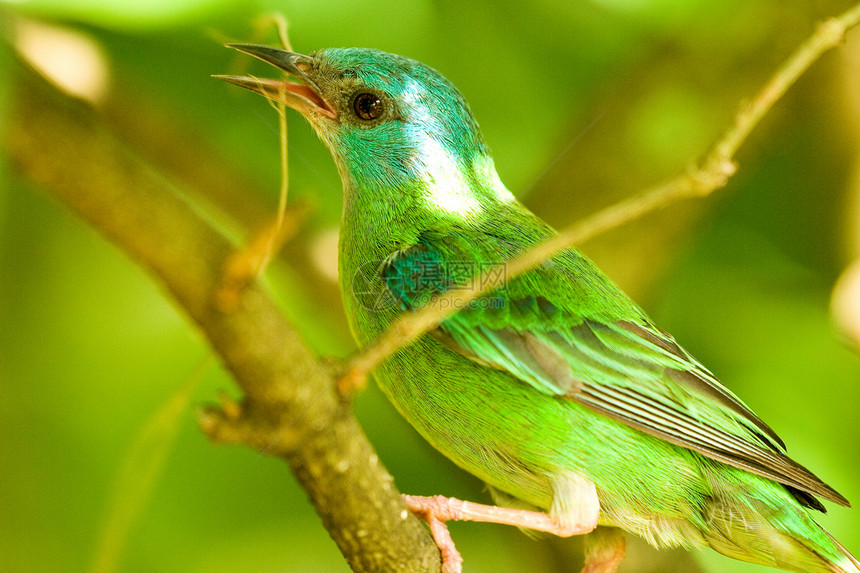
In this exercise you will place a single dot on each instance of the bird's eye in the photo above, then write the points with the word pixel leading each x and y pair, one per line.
pixel 367 106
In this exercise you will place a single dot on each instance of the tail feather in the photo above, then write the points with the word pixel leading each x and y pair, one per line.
pixel 773 549
pixel 780 535
pixel 850 564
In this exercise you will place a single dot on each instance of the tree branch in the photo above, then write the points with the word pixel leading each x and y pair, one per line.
pixel 290 410
pixel 711 173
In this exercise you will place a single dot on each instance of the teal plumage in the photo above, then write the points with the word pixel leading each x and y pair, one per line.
pixel 555 386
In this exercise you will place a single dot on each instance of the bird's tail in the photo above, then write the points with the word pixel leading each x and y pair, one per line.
pixel 781 535
pixel 852 565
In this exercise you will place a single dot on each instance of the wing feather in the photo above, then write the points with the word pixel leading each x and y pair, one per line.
pixel 626 369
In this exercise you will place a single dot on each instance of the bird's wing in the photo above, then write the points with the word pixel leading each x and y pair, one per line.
pixel 626 369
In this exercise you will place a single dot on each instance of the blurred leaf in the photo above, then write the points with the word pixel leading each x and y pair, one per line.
pixel 149 15
pixel 140 472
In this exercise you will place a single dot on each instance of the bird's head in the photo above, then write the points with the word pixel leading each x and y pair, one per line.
pixel 391 123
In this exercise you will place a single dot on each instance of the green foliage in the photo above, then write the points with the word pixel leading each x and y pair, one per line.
pixel 90 347
pixel 141 16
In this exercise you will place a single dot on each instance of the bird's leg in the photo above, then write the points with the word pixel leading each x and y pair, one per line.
pixel 452 561
pixel 604 550
pixel 438 509
pixel 451 509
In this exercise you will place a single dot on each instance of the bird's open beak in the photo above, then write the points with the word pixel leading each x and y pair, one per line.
pixel 303 97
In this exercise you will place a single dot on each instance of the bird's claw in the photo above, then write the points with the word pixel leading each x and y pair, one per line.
pixel 452 561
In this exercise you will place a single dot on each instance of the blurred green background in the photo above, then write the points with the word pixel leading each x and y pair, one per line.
pixel 582 102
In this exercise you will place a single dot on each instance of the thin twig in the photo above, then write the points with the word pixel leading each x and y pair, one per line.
pixel 248 263
pixel 711 173
pixel 281 26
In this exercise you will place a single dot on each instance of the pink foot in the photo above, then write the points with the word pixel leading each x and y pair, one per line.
pixel 436 510
pixel 452 561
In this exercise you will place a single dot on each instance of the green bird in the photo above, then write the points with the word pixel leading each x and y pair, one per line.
pixel 555 388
